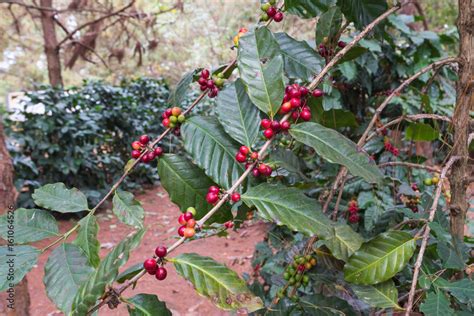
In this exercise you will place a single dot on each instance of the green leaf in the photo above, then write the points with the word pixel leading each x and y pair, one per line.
pixel 58 198
pixel 217 282
pixel 237 114
pixel 308 8
pixel 105 274
pixel 436 304
pixel 289 207
pixel 28 225
pixel 21 259
pixel 463 290
pixel 261 68
pixel 87 239
pixel 129 273
pixel 421 132
pixel 147 305
pixel 380 259
pixel 212 149
pixel 334 118
pixel 362 12
pixel 343 242
pixel 301 61
pixel 187 185
pixel 382 295
pixel 336 148
pixel 288 160
pixel 352 54
pixel 128 210
pixel 65 271
pixel 321 305
pixel 328 25
pixel 181 90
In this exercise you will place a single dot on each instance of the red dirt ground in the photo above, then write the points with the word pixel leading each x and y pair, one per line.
pixel 161 219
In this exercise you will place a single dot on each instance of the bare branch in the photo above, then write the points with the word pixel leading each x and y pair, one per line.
pixel 111 14
pixel 426 233
pixel 408 165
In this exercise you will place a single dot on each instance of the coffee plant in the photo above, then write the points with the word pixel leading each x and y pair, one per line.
pixel 313 137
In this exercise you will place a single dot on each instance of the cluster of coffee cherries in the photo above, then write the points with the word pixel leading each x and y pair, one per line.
pixel 432 181
pixel 188 223
pixel 173 118
pixel 353 209
pixel 214 193
pixel 245 155
pixel 390 147
pixel 141 144
pixel 155 266
pixel 237 37
pixel 295 100
pixel 271 128
pixel 295 272
pixel 412 201
pixel 270 12
pixel 325 51
pixel 213 84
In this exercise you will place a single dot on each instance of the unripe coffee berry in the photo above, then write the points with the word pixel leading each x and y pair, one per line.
pixel 191 210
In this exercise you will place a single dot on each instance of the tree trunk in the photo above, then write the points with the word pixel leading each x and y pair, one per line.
pixel 51 48
pixel 464 103
pixel 7 200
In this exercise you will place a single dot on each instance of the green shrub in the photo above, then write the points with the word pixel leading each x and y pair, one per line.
pixel 84 137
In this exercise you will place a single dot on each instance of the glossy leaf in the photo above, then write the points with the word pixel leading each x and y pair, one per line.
pixel 352 54
pixel 187 185
pixel 362 12
pixel 336 148
pixel 147 305
pixel 308 8
pixel 217 282
pixel 65 271
pixel 380 259
pixel 21 259
pixel 58 198
pixel 301 61
pixel 28 225
pixel 328 25
pixel 128 210
pixel 436 304
pixel 87 239
pixel 382 295
pixel 237 114
pixel 104 275
pixel 289 207
pixel 212 149
pixel 129 273
pixel 343 241
pixel 261 69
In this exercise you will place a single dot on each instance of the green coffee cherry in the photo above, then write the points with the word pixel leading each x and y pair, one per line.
pixel 264 17
pixel 190 209
pixel 181 118
pixel 173 119
pixel 265 6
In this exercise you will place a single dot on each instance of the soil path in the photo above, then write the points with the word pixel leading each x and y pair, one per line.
pixel 161 218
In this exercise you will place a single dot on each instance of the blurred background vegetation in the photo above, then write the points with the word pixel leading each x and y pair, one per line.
pixel 167 39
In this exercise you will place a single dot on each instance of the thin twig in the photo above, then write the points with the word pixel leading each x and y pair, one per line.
pixel 426 233
pixel 409 165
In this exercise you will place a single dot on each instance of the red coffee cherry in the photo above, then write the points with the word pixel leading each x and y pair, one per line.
pixel 161 273
pixel 161 251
